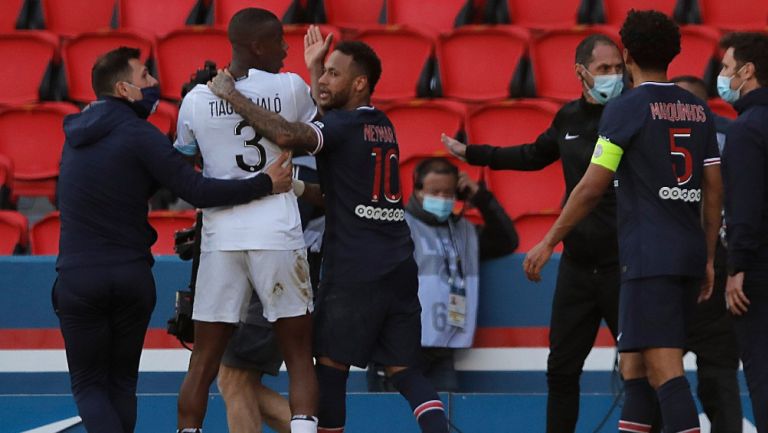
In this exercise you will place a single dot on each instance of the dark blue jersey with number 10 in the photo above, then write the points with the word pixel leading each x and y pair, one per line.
pixel 366 235
pixel 668 137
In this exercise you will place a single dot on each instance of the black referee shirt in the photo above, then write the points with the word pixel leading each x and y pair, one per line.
pixel 571 137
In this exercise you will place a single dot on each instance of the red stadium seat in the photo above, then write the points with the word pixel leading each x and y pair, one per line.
pixel 513 123
pixel 699 48
pixel 79 55
pixel 408 166
pixel 10 11
pixel 405 58
pixel 531 229
pixel 552 60
pixel 419 123
pixel 429 15
pixel 164 118
pixel 539 14
pixel 44 235
pixel 352 13
pixel 26 58
pixel 157 18
pixel 68 18
pixel 734 14
pixel 166 223
pixel 182 52
pixel 718 106
pixel 471 65
pixel 6 180
pixel 32 136
pixel 294 37
pixel 287 10
pixel 615 11
pixel 13 232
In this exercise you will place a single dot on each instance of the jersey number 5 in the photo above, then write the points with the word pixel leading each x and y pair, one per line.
pixel 254 142
pixel 680 151
pixel 384 165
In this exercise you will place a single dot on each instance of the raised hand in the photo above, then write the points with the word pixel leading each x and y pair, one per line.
pixel 315 48
pixel 455 147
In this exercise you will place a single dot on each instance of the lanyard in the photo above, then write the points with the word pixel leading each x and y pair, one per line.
pixel 455 278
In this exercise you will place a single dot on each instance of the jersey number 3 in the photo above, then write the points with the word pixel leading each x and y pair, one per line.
pixel 254 142
pixel 680 151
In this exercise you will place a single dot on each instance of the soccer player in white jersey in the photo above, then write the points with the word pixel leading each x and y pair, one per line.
pixel 253 247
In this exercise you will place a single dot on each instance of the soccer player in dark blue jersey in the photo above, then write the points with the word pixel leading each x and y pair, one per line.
pixel 367 307
pixel 658 142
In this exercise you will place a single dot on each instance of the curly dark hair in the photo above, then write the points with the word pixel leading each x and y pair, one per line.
pixel 365 58
pixel 651 38
pixel 749 47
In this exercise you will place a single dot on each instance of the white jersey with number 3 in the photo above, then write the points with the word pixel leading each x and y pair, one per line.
pixel 231 150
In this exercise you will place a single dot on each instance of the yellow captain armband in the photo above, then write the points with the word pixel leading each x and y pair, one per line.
pixel 607 154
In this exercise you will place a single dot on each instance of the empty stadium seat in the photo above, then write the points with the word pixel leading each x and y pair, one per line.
pixel 538 14
pixel 734 14
pixel 698 53
pixel 164 118
pixel 166 223
pixel 351 13
pixel 27 58
pixel 157 18
pixel 68 18
pixel 552 57
pixel 718 106
pixel 32 136
pixel 480 63
pixel 182 52
pixel 513 123
pixel 429 15
pixel 531 229
pixel 44 235
pixel 79 55
pixel 405 59
pixel 10 14
pixel 408 166
pixel 418 125
pixel 6 181
pixel 13 232
pixel 288 11
pixel 294 37
pixel 615 11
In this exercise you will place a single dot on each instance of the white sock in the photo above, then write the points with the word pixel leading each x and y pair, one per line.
pixel 303 424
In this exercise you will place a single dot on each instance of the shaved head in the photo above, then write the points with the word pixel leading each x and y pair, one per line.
pixel 256 36
pixel 252 25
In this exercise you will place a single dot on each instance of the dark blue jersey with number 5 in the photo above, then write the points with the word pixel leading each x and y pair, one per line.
pixel 667 136
pixel 366 235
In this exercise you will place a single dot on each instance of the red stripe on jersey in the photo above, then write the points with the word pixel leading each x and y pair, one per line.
pixel 633 427
pixel 428 406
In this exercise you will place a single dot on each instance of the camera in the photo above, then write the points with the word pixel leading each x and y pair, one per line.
pixel 181 325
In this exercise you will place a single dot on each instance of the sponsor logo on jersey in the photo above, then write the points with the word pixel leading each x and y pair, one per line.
pixel 675 193
pixel 568 136
pixel 379 214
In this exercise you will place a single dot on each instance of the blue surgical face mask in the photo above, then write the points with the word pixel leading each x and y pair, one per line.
pixel 606 87
pixel 440 207
pixel 724 88
pixel 150 97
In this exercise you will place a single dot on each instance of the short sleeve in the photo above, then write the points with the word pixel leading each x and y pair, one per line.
pixel 328 132
pixel 621 121
pixel 185 137
pixel 306 110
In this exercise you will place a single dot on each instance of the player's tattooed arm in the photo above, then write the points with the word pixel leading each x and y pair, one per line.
pixel 289 135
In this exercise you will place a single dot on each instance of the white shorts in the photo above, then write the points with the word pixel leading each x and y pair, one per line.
pixel 226 280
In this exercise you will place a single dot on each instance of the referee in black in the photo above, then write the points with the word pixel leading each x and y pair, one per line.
pixel 587 289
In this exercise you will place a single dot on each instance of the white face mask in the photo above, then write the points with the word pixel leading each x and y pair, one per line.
pixel 606 87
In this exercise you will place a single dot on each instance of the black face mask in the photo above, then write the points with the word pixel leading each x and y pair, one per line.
pixel 150 97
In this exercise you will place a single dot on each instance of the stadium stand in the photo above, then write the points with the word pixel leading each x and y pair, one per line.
pixel 406 59
pixel 615 11
pixel 698 55
pixel 6 181
pixel 408 166
pixel 28 58
pixel 164 118
pixel 68 18
pixel 511 123
pixel 289 11
pixel 350 13
pixel 477 63
pixel 166 223
pixel 531 229
pixel 429 15
pixel 183 51
pixel 14 230
pixel 12 15
pixel 538 14
pixel 552 61
pixel 718 106
pixel 294 37
pixel 35 152
pixel 44 235
pixel 158 18
pixel 419 124
pixel 733 14
pixel 80 53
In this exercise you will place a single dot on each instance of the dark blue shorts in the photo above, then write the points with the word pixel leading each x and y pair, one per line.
pixel 377 321
pixel 655 312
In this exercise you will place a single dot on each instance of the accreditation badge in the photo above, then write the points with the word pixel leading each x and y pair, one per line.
pixel 457 310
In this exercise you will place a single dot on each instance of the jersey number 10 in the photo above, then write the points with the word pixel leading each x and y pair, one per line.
pixel 384 166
